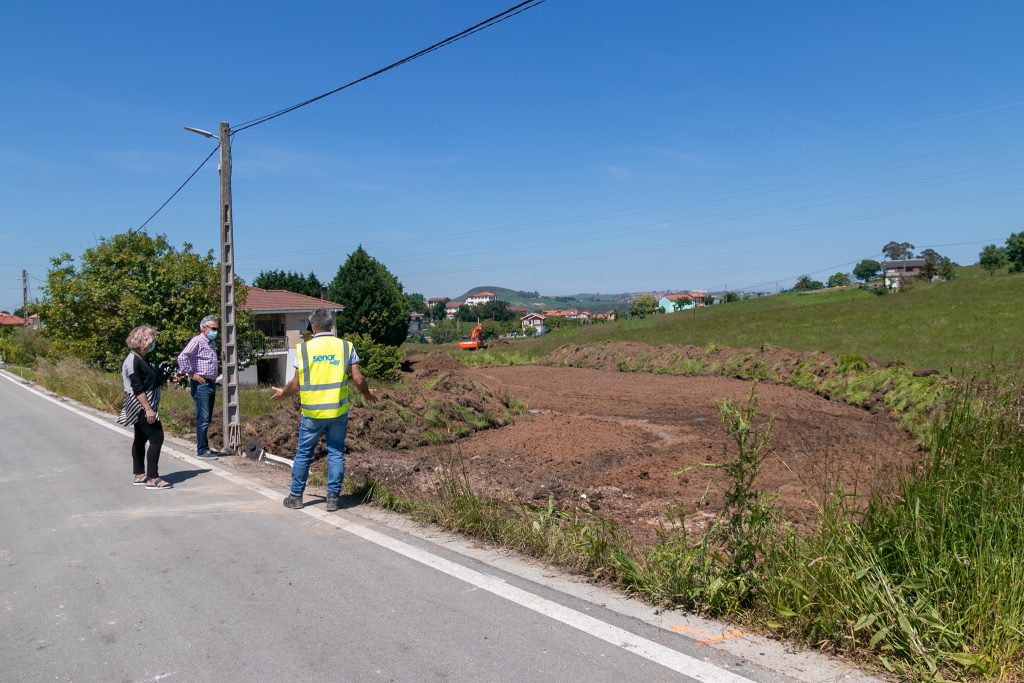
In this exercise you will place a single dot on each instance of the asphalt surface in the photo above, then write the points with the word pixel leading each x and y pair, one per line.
pixel 214 581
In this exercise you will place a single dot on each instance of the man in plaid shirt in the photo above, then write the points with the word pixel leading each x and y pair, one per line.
pixel 199 361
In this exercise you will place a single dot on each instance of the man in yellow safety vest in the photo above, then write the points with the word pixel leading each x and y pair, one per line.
pixel 324 365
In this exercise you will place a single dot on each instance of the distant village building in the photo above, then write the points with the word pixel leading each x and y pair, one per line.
pixel 481 298
pixel 534 320
pixel 418 322
pixel 451 308
pixel 895 272
pixel 435 300
pixel 567 313
pixel 670 303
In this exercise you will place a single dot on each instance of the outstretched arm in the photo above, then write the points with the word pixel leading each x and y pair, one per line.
pixel 361 384
pixel 290 389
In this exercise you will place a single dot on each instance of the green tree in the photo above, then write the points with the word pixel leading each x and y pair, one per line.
pixel 867 269
pixel 309 285
pixel 417 303
pixel 1015 251
pixel 838 280
pixel 644 305
pixel 134 279
pixel 730 297
pixel 437 312
pixel 992 258
pixel 946 268
pixel 898 251
pixel 444 332
pixel 372 299
pixel 491 310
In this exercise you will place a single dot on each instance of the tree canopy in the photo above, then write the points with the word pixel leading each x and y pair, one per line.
pixel 293 282
pixel 417 303
pixel 992 258
pixel 898 251
pixel 644 305
pixel 838 280
pixel 134 279
pixel 372 298
pixel 1015 251
pixel 867 269
pixel 489 310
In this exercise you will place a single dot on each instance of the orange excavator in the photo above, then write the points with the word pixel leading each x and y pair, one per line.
pixel 475 340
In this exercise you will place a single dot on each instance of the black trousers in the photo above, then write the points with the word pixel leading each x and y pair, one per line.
pixel 154 434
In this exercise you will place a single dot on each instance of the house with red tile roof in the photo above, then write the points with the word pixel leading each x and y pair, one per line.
pixel 10 320
pixel 670 303
pixel 534 320
pixel 281 316
pixel 451 308
pixel 481 298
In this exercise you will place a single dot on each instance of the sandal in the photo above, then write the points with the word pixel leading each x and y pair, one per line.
pixel 158 484
pixel 140 480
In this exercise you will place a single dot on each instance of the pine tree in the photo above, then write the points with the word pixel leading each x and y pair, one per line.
pixel 372 298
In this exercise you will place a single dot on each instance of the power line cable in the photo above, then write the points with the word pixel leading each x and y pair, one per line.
pixel 465 33
pixel 175 193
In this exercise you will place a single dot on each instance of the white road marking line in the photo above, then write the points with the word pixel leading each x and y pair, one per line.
pixel 626 640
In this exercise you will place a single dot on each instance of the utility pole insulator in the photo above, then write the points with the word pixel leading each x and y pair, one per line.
pixel 229 342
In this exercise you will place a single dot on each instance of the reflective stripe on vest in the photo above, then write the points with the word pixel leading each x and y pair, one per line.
pixel 323 386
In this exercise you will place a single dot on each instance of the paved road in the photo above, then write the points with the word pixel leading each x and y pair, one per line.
pixel 212 581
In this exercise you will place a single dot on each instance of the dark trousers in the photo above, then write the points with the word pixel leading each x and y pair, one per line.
pixel 154 434
pixel 204 396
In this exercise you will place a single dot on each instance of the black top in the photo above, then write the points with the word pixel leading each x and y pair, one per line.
pixel 138 376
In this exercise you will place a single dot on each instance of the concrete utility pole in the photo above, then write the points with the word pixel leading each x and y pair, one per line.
pixel 229 342
pixel 24 297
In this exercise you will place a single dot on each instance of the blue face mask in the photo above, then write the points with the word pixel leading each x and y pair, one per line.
pixel 211 334
pixel 151 347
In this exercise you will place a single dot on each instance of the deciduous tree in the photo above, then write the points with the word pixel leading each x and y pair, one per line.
pixel 1015 251
pixel 644 305
pixel 134 279
pixel 898 251
pixel 838 280
pixel 867 269
pixel 992 258
pixel 309 285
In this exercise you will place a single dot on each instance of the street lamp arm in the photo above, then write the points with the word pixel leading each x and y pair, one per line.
pixel 200 131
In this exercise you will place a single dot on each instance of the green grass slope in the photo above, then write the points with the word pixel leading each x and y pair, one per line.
pixel 973 323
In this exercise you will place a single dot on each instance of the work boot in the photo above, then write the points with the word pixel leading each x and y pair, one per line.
pixel 293 502
pixel 333 501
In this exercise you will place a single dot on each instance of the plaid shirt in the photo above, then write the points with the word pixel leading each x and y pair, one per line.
pixel 199 357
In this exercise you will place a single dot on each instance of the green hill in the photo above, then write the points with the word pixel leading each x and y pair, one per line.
pixel 972 323
pixel 595 303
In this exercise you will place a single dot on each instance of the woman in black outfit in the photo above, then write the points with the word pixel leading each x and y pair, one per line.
pixel 141 401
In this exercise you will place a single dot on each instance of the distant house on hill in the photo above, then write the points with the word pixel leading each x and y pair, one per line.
pixel 670 303
pixel 281 316
pixel 534 320
pixel 894 272
pixel 481 298
pixel 568 313
pixel 451 308
pixel 435 300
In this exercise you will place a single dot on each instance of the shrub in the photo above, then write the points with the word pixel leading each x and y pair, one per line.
pixel 378 361
pixel 23 346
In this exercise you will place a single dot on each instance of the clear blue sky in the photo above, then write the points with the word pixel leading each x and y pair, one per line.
pixel 578 147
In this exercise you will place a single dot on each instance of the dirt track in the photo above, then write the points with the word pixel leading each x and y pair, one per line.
pixel 619 438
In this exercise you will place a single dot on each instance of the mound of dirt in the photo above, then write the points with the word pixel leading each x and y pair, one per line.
pixel 629 446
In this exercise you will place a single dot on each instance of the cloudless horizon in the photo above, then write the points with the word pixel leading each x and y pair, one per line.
pixel 576 147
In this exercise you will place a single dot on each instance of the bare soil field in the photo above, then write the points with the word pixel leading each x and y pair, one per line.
pixel 627 446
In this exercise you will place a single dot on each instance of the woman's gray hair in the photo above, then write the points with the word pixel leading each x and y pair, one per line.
pixel 322 320
pixel 206 321
pixel 140 338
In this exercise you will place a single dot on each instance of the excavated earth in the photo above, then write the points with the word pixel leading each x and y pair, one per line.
pixel 628 446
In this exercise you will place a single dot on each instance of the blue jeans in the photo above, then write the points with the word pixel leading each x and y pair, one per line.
pixel 309 433
pixel 204 396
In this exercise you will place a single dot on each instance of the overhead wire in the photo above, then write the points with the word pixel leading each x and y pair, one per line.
pixel 175 193
pixel 465 33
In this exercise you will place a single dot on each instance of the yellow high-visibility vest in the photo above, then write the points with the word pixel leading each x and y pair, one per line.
pixel 323 376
